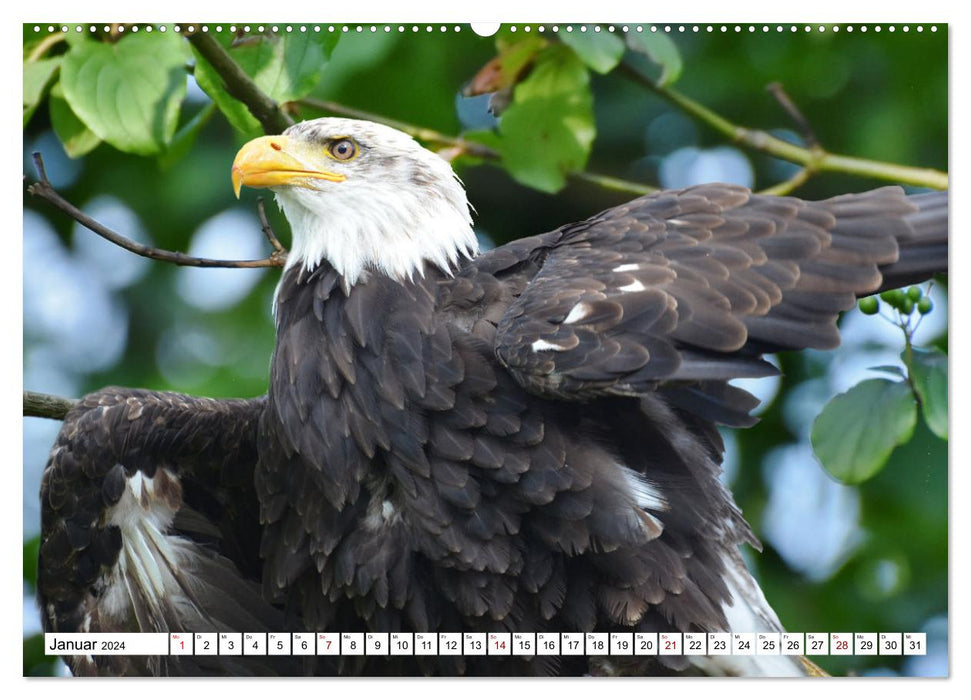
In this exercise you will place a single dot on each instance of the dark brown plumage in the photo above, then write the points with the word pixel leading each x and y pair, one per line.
pixel 529 444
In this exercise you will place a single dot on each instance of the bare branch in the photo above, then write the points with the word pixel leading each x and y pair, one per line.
pixel 278 249
pixel 274 118
pixel 44 190
pixel 239 84
pixel 815 158
pixel 459 146
pixel 616 184
pixel 419 132
pixel 798 118
pixel 809 138
pixel 39 405
pixel 787 186
pixel 44 45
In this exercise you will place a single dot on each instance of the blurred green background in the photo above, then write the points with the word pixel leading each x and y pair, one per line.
pixel 837 558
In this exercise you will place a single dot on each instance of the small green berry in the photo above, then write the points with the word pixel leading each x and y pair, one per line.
pixel 907 306
pixel 894 297
pixel 914 294
pixel 925 305
pixel 869 305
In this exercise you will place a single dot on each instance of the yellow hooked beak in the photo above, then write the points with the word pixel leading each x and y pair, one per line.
pixel 270 161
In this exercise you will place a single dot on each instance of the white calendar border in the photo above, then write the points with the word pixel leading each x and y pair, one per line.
pixel 505 10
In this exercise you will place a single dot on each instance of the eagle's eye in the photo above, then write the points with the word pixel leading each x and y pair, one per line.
pixel 344 149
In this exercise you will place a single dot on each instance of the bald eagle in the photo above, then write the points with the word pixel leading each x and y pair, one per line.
pixel 520 440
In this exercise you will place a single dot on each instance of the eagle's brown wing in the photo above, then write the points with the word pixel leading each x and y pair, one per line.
pixel 150 524
pixel 694 285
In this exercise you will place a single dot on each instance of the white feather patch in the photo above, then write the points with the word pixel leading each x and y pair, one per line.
pixel 748 612
pixel 645 494
pixel 540 345
pixel 635 286
pixel 135 486
pixel 579 312
pixel 143 521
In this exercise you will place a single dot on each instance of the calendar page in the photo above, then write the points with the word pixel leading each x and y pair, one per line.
pixel 514 349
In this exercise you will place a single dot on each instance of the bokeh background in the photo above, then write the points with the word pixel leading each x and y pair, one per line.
pixel 836 558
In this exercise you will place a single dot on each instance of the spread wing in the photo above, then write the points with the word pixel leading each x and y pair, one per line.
pixel 692 286
pixel 150 524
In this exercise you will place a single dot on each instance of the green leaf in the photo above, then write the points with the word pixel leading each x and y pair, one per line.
pixel 928 372
pixel 75 38
pixel 128 92
pixel 515 57
pixel 37 76
pixel 284 66
pixel 658 47
pixel 601 51
pixel 857 431
pixel 504 71
pixel 186 137
pixel 548 130
pixel 78 140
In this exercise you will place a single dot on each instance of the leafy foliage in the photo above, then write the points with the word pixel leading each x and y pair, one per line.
pixel 600 51
pixel 78 140
pixel 857 431
pixel 284 66
pixel 37 77
pixel 928 371
pixel 661 51
pixel 128 93
pixel 548 130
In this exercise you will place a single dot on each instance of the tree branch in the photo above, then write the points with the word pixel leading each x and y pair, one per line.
pixel 779 93
pixel 44 190
pixel 814 147
pixel 787 186
pixel 39 405
pixel 464 147
pixel 44 45
pixel 239 84
pixel 766 143
pixel 274 119
pixel 418 132
pixel 268 230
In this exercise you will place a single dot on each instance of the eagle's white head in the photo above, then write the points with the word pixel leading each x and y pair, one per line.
pixel 362 196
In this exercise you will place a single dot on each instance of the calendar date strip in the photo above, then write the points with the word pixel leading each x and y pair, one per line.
pixel 519 644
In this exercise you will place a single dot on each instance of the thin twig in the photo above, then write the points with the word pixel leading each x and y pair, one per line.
pixel 267 229
pixel 766 143
pixel 238 84
pixel 614 183
pixel 39 405
pixel 275 119
pixel 809 138
pixel 798 118
pixel 44 190
pixel 463 146
pixel 418 132
pixel 44 45
pixel 41 170
pixel 787 186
